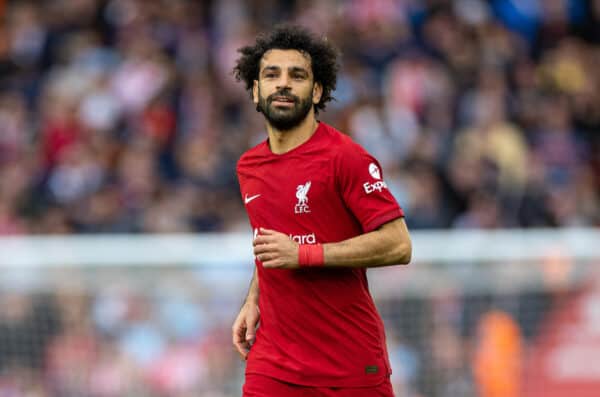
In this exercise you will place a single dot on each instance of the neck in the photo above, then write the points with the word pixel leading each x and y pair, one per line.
pixel 283 141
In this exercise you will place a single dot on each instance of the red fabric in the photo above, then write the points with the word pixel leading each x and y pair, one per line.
pixel 264 386
pixel 58 136
pixel 319 326
pixel 158 122
pixel 311 255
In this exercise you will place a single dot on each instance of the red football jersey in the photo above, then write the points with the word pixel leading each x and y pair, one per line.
pixel 318 326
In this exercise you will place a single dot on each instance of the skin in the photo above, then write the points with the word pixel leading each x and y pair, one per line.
pixel 291 70
pixel 388 245
pixel 244 326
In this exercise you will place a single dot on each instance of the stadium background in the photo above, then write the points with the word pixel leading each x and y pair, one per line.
pixel 122 116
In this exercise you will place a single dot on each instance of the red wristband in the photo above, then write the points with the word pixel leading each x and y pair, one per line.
pixel 310 255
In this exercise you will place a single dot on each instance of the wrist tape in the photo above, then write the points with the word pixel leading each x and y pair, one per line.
pixel 310 255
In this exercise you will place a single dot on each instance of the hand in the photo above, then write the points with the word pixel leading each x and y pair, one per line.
pixel 276 250
pixel 244 328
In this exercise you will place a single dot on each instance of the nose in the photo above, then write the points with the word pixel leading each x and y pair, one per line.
pixel 284 82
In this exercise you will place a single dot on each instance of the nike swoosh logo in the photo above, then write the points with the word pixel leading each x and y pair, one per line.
pixel 248 199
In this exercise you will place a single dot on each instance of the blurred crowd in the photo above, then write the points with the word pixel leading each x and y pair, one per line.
pixel 123 337
pixel 116 341
pixel 123 115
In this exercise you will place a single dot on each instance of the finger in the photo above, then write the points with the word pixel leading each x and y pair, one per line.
pixel 239 343
pixel 263 240
pixel 268 232
pixel 272 263
pixel 238 334
pixel 238 338
pixel 250 333
pixel 251 324
pixel 261 249
pixel 266 257
pixel 243 349
pixel 268 264
pixel 264 249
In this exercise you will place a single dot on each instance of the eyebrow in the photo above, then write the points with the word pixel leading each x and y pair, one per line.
pixel 293 69
pixel 270 69
pixel 298 69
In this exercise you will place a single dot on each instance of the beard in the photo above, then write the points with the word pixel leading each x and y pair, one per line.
pixel 284 119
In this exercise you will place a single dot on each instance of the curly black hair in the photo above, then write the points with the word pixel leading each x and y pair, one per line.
pixel 323 55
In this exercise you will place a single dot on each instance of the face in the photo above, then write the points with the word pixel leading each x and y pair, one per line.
pixel 285 91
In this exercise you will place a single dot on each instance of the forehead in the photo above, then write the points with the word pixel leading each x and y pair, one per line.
pixel 285 59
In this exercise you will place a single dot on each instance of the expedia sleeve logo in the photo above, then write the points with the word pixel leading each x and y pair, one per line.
pixel 377 186
pixel 374 171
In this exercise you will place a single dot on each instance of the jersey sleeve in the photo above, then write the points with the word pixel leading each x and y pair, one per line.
pixel 240 178
pixel 364 191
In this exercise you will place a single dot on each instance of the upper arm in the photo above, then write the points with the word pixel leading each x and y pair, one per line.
pixel 363 188
pixel 395 230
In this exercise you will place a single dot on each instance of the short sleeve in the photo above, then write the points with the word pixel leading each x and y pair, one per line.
pixel 363 188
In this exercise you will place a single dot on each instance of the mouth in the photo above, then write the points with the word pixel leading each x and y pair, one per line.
pixel 283 101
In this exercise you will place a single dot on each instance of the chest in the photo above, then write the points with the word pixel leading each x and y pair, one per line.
pixel 297 191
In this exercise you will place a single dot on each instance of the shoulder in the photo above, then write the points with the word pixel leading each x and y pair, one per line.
pixel 251 156
pixel 343 146
pixel 341 143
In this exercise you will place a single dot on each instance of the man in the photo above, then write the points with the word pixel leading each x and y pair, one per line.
pixel 321 215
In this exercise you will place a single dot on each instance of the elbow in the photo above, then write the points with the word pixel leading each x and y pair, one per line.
pixel 399 245
pixel 400 253
pixel 404 254
pixel 403 250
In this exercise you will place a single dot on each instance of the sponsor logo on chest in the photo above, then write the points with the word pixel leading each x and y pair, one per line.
pixel 304 238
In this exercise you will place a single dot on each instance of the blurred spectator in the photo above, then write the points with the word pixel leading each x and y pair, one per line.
pixel 27 326
pixel 122 116
pixel 126 101
pixel 497 357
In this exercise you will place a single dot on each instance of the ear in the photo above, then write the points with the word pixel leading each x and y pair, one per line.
pixel 255 92
pixel 317 93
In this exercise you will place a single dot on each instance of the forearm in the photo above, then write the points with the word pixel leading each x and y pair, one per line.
pixel 388 245
pixel 253 291
pixel 244 326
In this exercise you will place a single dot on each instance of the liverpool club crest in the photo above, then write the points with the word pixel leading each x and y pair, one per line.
pixel 302 196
